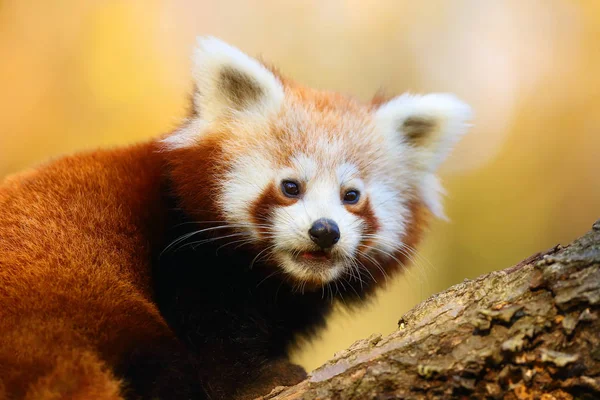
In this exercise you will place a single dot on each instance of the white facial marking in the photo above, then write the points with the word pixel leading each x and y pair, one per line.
pixel 321 199
pixel 432 191
pixel 306 166
pixel 389 207
pixel 346 172
pixel 248 176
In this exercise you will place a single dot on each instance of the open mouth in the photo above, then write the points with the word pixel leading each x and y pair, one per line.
pixel 318 255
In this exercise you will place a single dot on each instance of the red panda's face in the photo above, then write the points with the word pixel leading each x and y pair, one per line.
pixel 325 188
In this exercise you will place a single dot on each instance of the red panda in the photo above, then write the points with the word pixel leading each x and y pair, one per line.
pixel 185 266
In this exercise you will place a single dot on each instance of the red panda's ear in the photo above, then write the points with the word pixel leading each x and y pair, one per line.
pixel 430 125
pixel 231 84
pixel 232 89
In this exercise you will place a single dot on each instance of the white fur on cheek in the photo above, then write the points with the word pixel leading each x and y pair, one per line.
pixel 432 192
pixel 391 214
pixel 242 186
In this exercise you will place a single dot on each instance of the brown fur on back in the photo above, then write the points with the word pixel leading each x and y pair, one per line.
pixel 75 293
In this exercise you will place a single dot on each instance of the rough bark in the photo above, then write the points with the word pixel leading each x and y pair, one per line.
pixel 531 331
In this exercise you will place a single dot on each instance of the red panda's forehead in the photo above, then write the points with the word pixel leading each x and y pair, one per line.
pixel 327 128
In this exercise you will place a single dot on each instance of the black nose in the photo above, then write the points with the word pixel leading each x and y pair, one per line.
pixel 324 232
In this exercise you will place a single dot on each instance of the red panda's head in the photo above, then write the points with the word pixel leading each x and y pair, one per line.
pixel 323 186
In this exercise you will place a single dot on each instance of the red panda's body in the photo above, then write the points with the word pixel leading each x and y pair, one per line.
pixel 184 267
pixel 76 296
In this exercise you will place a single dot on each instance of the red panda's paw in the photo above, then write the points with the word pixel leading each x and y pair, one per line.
pixel 279 372
pixel 163 370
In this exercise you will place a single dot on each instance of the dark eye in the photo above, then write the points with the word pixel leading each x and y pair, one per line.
pixel 351 197
pixel 290 188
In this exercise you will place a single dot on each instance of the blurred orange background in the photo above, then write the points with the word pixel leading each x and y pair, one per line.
pixel 80 74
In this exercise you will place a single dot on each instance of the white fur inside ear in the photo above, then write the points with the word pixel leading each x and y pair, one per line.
pixel 448 117
pixel 214 63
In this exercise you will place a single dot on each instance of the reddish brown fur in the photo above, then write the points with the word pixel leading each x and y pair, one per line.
pixel 75 292
pixel 365 211
pixel 262 207
pixel 197 170
pixel 388 266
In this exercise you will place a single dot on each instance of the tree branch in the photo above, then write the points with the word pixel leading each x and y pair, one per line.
pixel 529 331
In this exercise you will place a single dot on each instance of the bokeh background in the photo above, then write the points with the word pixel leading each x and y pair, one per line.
pixel 77 74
